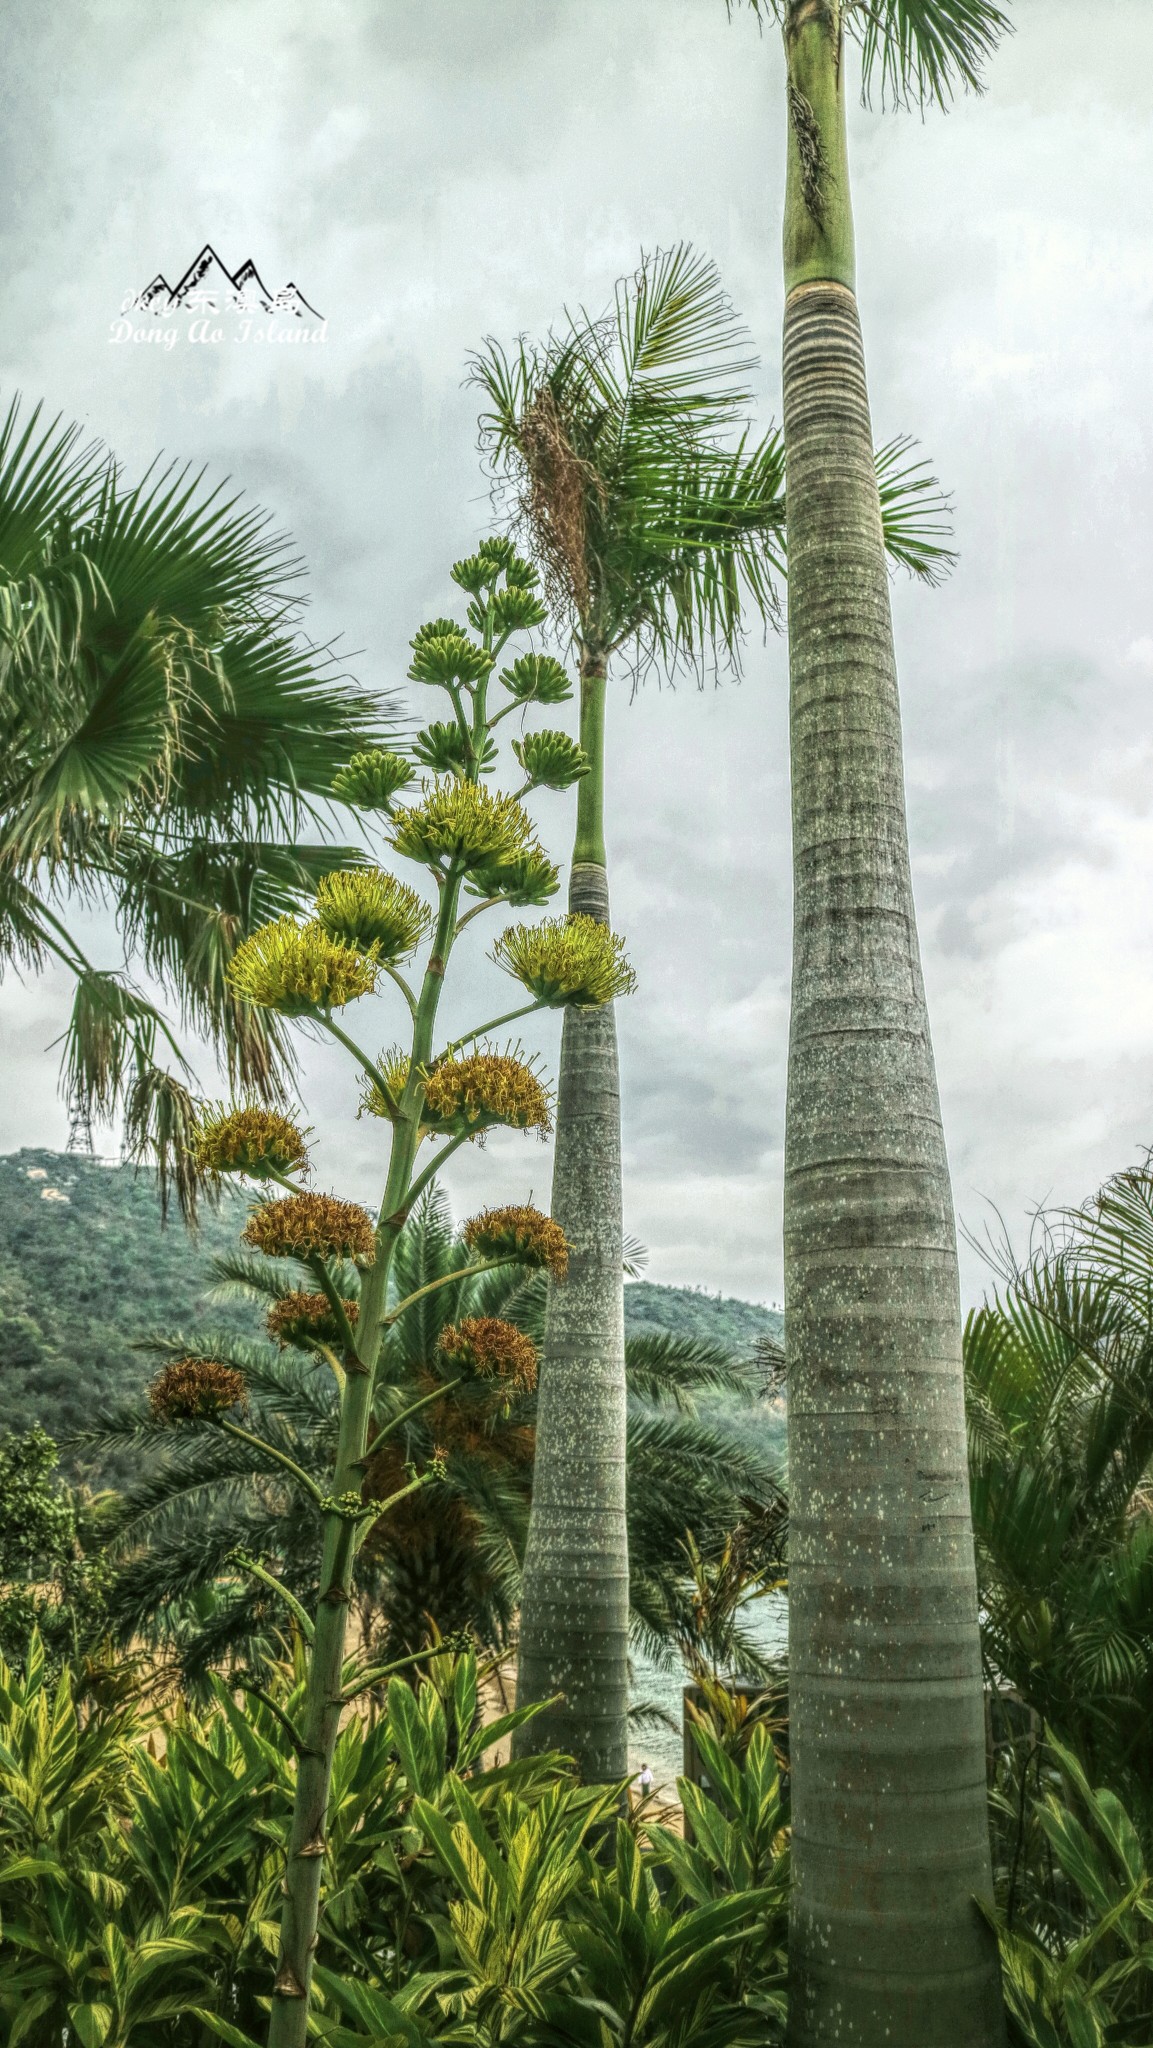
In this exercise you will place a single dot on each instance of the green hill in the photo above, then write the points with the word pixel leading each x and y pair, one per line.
pixel 691 1312
pixel 85 1267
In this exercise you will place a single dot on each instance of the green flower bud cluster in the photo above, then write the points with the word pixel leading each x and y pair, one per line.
pixel 448 751
pixel 372 779
pixel 494 558
pixel 537 679
pixel 551 759
pixel 442 654
pixel 370 910
pixel 351 1507
pixel 526 882
pixel 515 609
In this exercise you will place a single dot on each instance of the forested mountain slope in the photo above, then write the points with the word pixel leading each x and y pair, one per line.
pixel 85 1267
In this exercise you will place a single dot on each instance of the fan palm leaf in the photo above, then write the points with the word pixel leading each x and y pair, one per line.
pixel 165 725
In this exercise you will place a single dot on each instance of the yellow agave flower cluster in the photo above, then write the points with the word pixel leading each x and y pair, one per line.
pixel 247 1138
pixel 493 1349
pixel 301 1226
pixel 298 969
pixel 465 1096
pixel 522 1233
pixel 572 959
pixel 303 1319
pixel 464 821
pixel 365 919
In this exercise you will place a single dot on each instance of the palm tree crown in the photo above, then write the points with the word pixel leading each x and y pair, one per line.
pixel 922 50
pixel 617 438
pixel 167 729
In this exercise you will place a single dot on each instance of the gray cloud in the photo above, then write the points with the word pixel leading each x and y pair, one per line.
pixel 431 175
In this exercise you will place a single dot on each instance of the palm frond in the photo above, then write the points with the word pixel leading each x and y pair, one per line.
pixel 681 350
pixel 923 50
pixel 49 480
pixel 620 442
pixel 669 1369
pixel 156 695
pixel 111 1031
pixel 248 1276
pixel 915 513
pixel 636 1257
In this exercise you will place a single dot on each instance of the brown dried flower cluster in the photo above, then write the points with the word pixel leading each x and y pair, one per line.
pixel 300 1226
pixel 482 1089
pixel 300 1318
pixel 192 1389
pixel 521 1233
pixel 493 1349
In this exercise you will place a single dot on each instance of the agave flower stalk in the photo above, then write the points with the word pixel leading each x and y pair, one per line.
pixel 366 924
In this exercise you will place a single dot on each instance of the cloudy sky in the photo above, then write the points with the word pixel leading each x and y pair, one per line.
pixel 429 175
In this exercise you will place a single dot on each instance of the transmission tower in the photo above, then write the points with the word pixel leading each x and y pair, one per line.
pixel 80 1129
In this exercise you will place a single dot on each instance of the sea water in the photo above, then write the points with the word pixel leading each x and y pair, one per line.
pixel 662 1747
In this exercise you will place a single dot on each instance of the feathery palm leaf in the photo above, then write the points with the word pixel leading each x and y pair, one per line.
pixel 923 49
pixel 1058 1369
pixel 614 438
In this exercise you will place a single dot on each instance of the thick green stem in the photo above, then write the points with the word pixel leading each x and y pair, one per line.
pixel 494 1024
pixel 890 1831
pixel 590 828
pixel 575 1588
pixel 445 1280
pixel 818 237
pixel 257 1443
pixel 288 2023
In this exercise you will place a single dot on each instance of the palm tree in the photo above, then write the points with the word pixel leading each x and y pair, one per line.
pixel 648 530
pixel 656 526
pixel 165 731
pixel 1061 1455
pixel 455 1566
pixel 890 1830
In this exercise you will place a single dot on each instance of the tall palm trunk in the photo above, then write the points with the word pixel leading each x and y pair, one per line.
pixel 575 1597
pixel 887 1742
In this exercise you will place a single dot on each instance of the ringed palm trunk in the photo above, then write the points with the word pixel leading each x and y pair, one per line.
pixel 575 1588
pixel 887 1742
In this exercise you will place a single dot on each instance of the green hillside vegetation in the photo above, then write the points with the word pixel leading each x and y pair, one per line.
pixel 691 1312
pixel 86 1267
